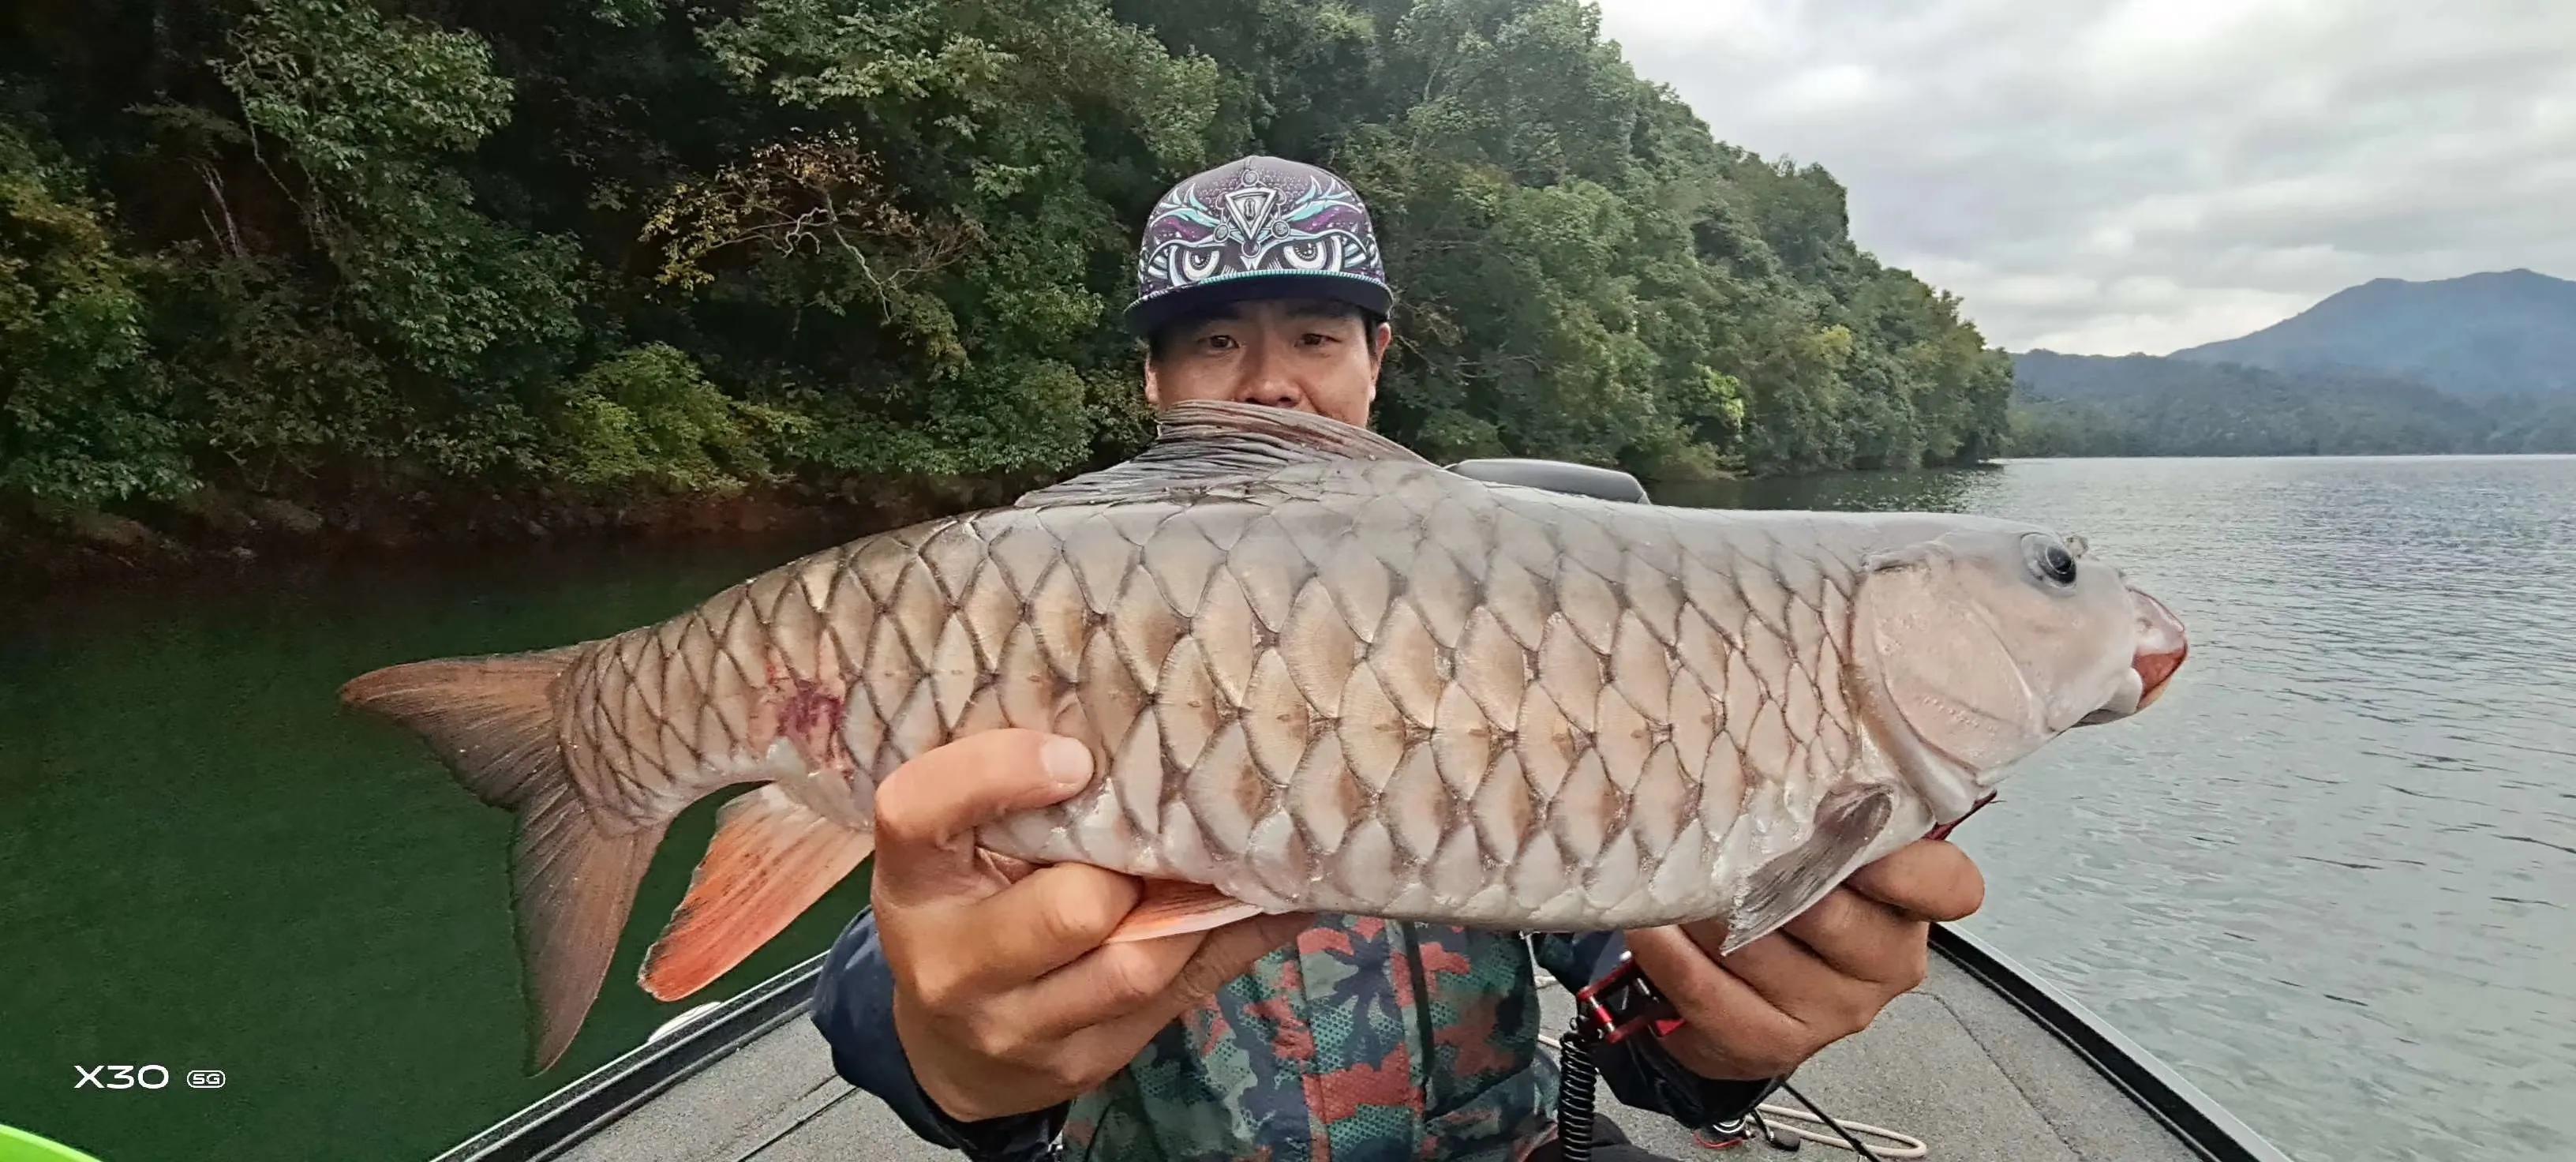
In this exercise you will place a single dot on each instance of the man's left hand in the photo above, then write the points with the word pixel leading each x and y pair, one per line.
pixel 1774 1003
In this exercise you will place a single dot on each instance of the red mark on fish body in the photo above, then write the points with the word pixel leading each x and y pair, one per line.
pixel 807 712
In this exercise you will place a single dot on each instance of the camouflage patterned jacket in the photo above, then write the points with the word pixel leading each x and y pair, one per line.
pixel 1365 1040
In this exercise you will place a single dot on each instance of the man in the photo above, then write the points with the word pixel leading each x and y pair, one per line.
pixel 977 999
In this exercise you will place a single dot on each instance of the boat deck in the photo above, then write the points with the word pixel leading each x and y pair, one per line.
pixel 1954 1064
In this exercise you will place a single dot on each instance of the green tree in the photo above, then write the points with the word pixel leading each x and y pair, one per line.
pixel 346 248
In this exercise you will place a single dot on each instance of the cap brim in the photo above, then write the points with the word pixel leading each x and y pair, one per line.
pixel 1147 315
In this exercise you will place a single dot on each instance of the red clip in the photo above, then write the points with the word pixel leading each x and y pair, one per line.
pixel 1623 1002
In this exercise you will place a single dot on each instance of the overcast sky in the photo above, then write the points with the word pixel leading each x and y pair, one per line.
pixel 2104 178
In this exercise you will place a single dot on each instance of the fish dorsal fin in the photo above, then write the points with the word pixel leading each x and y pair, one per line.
pixel 1208 443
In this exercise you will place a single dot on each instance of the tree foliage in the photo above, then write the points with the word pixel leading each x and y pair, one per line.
pixel 81 398
pixel 312 247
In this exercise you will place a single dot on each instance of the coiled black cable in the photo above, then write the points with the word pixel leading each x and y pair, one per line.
pixel 1574 1092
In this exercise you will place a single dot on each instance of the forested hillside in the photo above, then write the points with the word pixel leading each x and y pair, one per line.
pixel 2146 405
pixel 374 261
pixel 2494 333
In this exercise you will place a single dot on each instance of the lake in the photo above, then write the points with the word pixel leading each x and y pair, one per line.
pixel 2329 877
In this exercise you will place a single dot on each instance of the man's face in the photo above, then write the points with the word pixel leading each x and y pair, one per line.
pixel 1294 353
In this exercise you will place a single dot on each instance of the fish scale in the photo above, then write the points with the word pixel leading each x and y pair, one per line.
pixel 1184 617
pixel 1315 673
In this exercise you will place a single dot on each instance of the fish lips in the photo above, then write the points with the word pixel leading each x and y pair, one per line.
pixel 2162 644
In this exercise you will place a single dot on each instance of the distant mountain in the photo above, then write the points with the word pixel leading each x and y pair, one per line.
pixel 2483 363
pixel 2498 333
pixel 2146 405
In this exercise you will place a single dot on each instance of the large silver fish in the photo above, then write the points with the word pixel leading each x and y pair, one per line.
pixel 1317 673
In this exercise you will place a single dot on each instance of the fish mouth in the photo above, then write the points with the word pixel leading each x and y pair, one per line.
pixel 2162 644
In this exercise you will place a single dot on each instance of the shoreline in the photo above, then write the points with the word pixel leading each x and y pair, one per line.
pixel 217 535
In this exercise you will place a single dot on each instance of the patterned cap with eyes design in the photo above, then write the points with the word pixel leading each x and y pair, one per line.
pixel 1256 227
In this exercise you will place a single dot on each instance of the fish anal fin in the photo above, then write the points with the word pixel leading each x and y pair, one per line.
pixel 1211 443
pixel 1175 907
pixel 771 858
pixel 1848 824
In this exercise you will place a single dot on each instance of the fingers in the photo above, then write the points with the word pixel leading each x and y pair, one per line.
pixel 1224 954
pixel 1734 1032
pixel 1129 991
pixel 1929 879
pixel 928 810
pixel 1865 940
pixel 1230 952
pixel 1006 998
pixel 1762 1010
pixel 1807 988
pixel 1047 920
pixel 1825 975
pixel 1114 984
pixel 1093 1049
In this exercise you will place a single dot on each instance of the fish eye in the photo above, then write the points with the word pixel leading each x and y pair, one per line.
pixel 2049 559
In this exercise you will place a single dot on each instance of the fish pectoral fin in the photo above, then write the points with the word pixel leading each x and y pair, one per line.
pixel 1207 443
pixel 1848 824
pixel 1174 907
pixel 770 860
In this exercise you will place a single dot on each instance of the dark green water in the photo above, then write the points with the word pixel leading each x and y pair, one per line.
pixel 205 864
pixel 2329 877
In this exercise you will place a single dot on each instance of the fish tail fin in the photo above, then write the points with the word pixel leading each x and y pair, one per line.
pixel 492 721
pixel 572 886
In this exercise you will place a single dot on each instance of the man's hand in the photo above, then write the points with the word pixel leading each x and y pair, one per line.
pixel 1006 999
pixel 1824 976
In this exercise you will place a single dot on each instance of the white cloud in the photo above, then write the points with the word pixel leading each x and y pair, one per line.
pixel 2147 175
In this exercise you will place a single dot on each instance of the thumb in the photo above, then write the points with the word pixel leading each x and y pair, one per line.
pixel 928 809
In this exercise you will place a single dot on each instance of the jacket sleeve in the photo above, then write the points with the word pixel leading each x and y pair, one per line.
pixel 854 1011
pixel 1639 1070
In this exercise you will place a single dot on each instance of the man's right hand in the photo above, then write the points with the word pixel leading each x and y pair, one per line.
pixel 1006 999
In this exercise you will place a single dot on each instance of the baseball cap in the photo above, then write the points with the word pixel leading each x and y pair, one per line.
pixel 1258 227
